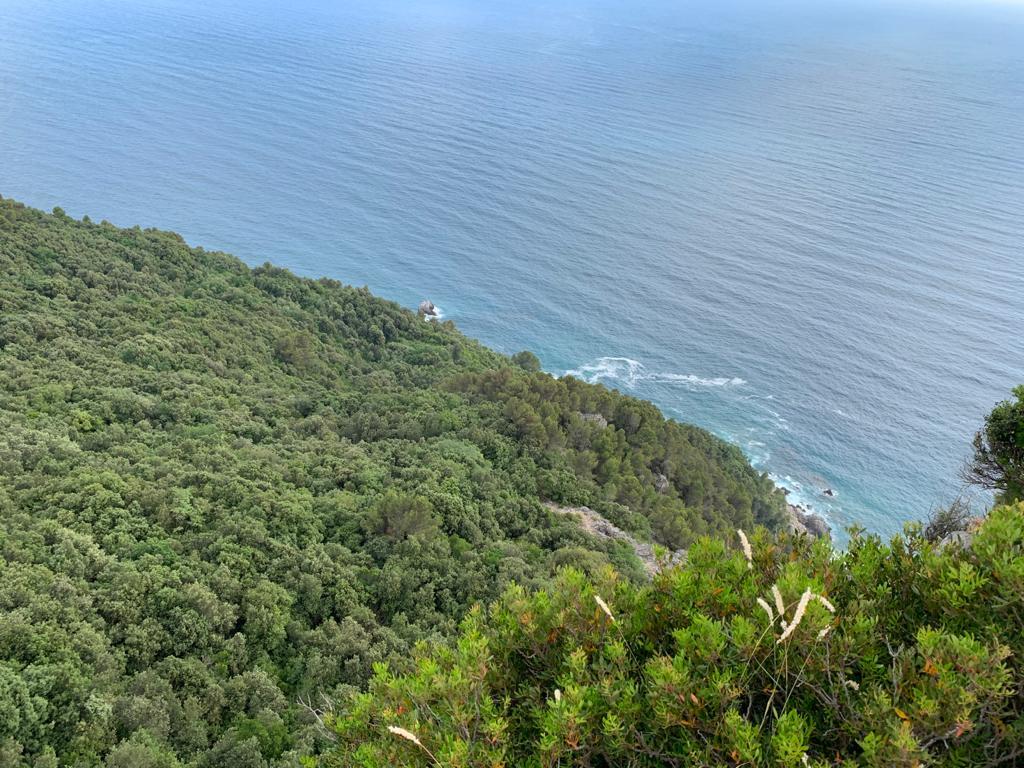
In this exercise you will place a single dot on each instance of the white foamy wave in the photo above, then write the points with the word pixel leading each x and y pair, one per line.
pixel 619 369
pixel 628 372
pixel 689 378
pixel 757 452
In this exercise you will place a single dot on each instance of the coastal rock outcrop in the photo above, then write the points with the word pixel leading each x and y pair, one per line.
pixel 804 521
pixel 597 525
pixel 427 309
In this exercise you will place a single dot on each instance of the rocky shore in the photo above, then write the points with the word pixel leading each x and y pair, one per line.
pixel 802 520
pixel 428 310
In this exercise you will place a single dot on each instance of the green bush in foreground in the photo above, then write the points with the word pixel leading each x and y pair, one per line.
pixel 906 654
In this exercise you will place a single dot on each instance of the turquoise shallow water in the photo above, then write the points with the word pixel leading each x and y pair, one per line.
pixel 800 227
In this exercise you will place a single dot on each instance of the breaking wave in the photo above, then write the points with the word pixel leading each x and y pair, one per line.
pixel 627 372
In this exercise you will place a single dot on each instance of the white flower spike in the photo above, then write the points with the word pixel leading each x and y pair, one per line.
pixel 407 735
pixel 747 551
pixel 604 606
pixel 805 598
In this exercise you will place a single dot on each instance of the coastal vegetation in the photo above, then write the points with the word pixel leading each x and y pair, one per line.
pixel 254 520
pixel 998 462
pixel 228 490
pixel 893 655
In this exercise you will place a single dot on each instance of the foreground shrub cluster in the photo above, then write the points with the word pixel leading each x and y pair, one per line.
pixel 902 654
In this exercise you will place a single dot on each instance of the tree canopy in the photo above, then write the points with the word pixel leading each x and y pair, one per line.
pixel 998 462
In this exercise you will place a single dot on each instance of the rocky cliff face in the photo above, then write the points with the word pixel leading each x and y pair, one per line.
pixel 594 523
pixel 803 521
pixel 597 525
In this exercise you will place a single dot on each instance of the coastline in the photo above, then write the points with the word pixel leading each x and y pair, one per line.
pixel 802 520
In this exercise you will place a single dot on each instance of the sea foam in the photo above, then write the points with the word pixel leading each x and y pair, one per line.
pixel 628 372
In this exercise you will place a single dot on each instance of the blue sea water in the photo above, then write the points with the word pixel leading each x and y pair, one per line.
pixel 798 224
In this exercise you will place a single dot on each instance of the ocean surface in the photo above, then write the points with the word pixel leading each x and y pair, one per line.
pixel 798 224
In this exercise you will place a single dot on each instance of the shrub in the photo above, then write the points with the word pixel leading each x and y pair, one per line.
pixel 899 654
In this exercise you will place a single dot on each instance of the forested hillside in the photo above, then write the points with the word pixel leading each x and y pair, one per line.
pixel 225 491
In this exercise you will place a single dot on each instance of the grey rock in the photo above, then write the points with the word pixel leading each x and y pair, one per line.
pixel 816 525
pixel 661 483
pixel 803 521
pixel 597 525
pixel 961 539
pixel 595 418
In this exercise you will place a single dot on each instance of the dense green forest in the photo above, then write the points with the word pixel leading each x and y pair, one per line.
pixel 227 493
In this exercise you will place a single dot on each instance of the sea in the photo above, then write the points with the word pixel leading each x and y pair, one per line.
pixel 797 224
